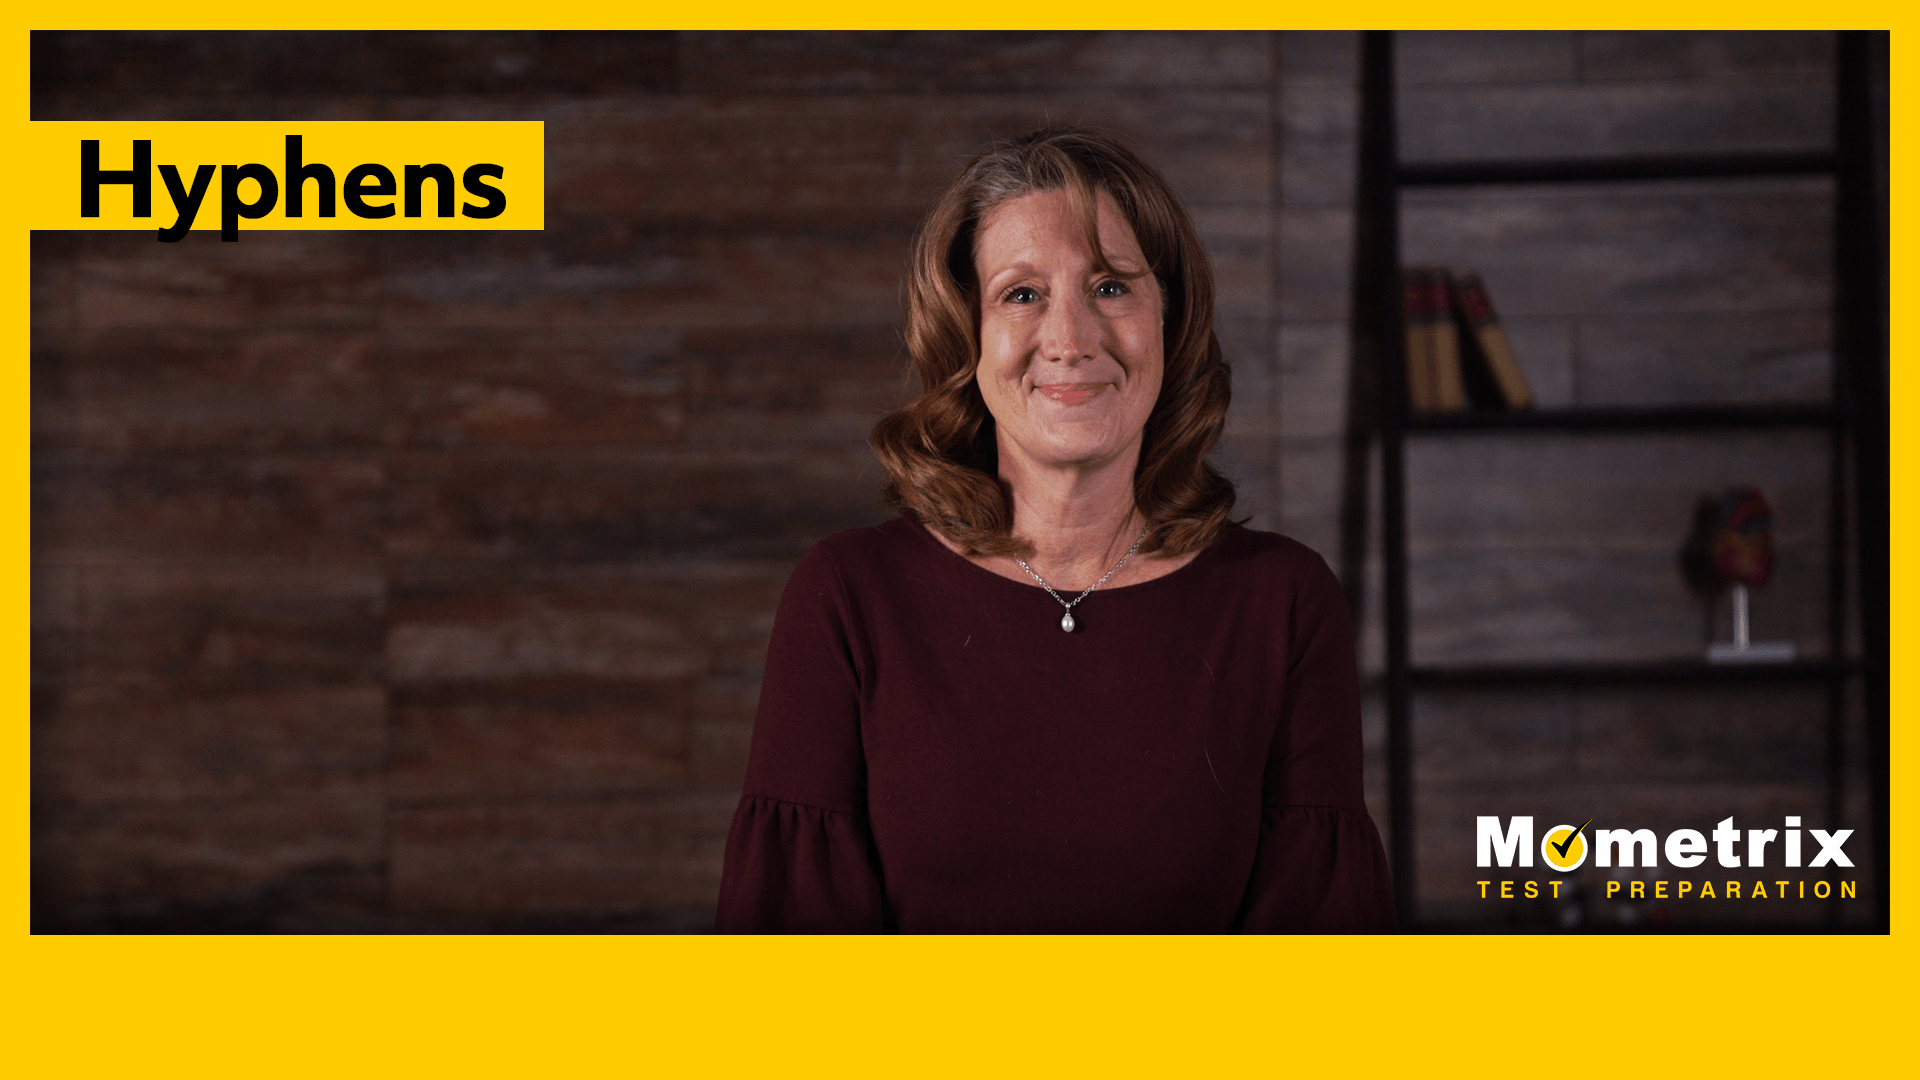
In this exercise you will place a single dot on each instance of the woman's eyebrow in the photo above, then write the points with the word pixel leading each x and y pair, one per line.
pixel 1013 269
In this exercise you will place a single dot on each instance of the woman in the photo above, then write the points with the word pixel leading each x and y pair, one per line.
pixel 1062 692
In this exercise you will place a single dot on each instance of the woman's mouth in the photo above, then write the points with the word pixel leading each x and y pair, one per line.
pixel 1070 393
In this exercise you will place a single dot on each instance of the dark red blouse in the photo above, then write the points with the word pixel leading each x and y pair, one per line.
pixel 933 754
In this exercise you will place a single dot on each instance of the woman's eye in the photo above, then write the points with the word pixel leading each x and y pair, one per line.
pixel 1108 290
pixel 1022 295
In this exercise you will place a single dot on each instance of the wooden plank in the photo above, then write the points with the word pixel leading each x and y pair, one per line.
pixel 149 103
pixel 741 592
pixel 604 645
pixel 1319 124
pixel 234 65
pixel 114 745
pixel 159 388
pixel 876 158
pixel 1668 248
pixel 960 62
pixel 1484 56
pixel 616 504
pixel 226 854
pixel 1605 491
pixel 51 258
pixel 658 664
pixel 1476 122
pixel 1544 349
pixel 1706 54
pixel 1540 605
pixel 1310 486
pixel 478 623
pixel 1238 240
pixel 516 737
pixel 721 727
pixel 586 274
pixel 103 504
pixel 1314 371
pixel 206 624
pixel 1721 734
pixel 1316 249
pixel 1319 56
pixel 612 855
pixel 268 281
pixel 1243 460
pixel 1752 357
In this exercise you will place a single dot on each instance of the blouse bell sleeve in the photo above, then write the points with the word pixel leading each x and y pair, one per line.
pixel 800 857
pixel 1320 867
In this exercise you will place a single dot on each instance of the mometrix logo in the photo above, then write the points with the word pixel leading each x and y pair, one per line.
pixel 1565 848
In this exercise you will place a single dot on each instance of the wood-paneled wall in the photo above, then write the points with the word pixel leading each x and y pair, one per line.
pixel 422 581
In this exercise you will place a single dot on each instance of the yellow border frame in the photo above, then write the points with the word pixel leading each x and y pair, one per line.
pixel 1131 1006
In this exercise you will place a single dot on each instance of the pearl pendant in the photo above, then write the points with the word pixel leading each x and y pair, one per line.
pixel 1066 622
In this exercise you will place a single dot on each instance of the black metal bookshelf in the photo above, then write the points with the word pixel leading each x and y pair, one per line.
pixel 1602 673
pixel 1612 170
pixel 1677 418
pixel 1856 420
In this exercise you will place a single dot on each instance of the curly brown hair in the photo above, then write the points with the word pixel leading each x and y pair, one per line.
pixel 940 450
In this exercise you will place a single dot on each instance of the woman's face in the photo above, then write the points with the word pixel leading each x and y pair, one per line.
pixel 1070 356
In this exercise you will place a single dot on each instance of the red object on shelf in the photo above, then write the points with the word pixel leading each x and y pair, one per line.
pixel 1743 544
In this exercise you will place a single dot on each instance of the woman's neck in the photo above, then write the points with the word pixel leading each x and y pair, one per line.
pixel 1078 519
pixel 1078 524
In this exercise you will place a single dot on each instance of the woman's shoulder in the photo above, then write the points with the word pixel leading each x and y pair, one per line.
pixel 882 549
pixel 853 571
pixel 1280 576
pixel 894 538
pixel 1251 563
pixel 1245 550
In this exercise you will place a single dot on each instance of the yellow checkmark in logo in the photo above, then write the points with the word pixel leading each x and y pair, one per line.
pixel 1565 846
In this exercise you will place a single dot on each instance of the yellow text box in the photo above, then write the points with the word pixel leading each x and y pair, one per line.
pixel 377 174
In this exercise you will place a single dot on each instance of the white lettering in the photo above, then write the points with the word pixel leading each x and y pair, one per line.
pixel 1830 847
pixel 1725 835
pixel 1489 844
pixel 1686 847
pixel 1608 841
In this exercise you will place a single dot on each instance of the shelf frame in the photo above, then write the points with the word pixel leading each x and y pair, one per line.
pixel 1856 420
pixel 1615 170
pixel 1634 418
pixel 1630 673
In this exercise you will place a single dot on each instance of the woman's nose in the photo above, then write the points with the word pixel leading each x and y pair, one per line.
pixel 1070 331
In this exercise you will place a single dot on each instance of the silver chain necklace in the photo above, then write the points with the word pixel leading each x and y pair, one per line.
pixel 1066 621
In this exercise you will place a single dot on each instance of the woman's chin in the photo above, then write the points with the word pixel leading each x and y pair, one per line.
pixel 1076 449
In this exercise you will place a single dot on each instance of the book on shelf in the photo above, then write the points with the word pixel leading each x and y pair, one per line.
pixel 1443 344
pixel 1491 352
pixel 1433 343
pixel 1419 315
pixel 1434 382
pixel 1458 356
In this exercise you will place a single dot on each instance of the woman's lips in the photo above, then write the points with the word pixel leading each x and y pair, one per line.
pixel 1073 393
